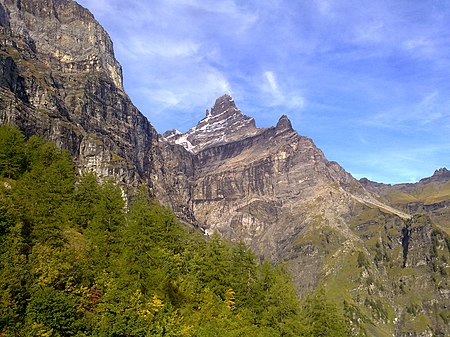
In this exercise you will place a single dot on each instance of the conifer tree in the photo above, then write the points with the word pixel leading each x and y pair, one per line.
pixel 322 318
pixel 13 161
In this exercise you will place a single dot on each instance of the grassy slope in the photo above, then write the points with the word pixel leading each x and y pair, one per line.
pixel 368 274
pixel 427 195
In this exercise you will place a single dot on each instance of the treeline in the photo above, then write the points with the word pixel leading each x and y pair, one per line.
pixel 76 261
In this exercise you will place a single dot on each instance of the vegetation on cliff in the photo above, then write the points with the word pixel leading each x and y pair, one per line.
pixel 76 261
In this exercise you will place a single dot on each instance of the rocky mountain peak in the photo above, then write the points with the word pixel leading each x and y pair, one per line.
pixel 440 175
pixel 226 111
pixel 284 124
pixel 224 123
pixel 171 133
pixel 222 105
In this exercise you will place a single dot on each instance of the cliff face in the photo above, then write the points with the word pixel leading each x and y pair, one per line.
pixel 60 80
pixel 65 84
pixel 271 188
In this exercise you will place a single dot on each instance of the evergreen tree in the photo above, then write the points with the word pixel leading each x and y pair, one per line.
pixel 42 194
pixel 14 280
pixel 13 161
pixel 322 318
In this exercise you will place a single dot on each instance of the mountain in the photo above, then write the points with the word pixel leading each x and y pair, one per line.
pixel 223 124
pixel 275 190
pixel 382 250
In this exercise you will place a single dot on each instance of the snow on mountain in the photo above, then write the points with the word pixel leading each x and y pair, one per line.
pixel 224 123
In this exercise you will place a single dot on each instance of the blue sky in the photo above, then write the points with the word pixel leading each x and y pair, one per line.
pixel 368 81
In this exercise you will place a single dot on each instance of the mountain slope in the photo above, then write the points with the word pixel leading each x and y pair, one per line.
pixel 275 190
pixel 271 188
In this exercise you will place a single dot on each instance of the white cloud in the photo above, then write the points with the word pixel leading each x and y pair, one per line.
pixel 417 43
pixel 422 46
pixel 236 14
pixel 371 32
pixel 288 100
pixel 324 7
pixel 142 46
pixel 430 109
pixel 188 95
pixel 271 86
pixel 167 98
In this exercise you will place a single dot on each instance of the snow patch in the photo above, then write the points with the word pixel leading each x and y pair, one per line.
pixel 183 141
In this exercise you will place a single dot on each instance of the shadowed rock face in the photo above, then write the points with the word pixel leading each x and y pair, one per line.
pixel 271 188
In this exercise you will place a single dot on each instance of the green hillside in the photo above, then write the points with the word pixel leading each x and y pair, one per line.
pixel 77 260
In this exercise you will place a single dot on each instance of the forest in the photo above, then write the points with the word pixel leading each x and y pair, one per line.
pixel 77 258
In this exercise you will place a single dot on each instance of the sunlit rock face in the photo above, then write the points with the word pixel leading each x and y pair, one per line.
pixel 69 85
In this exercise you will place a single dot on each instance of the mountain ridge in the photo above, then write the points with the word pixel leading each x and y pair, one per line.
pixel 270 187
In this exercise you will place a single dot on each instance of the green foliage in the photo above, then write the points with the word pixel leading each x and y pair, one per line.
pixel 53 310
pixel 322 317
pixel 13 161
pixel 363 261
pixel 42 194
pixel 75 261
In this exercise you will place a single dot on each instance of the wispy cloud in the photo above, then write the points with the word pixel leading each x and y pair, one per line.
pixel 138 47
pixel 286 100
pixel 271 86
pixel 431 109
pixel 324 7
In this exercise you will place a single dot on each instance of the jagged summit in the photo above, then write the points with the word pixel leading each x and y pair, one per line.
pixel 284 123
pixel 226 113
pixel 224 123
pixel 171 133
pixel 223 104
pixel 440 175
